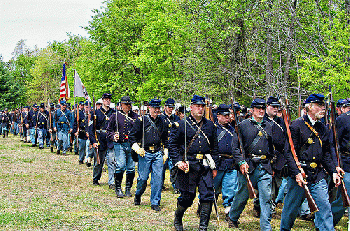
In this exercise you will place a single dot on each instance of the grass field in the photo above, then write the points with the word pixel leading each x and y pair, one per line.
pixel 43 191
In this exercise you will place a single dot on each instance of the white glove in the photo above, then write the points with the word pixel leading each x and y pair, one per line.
pixel 210 161
pixel 138 149
pixel 165 156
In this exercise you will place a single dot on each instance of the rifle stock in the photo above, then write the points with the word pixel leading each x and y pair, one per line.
pixel 310 200
pixel 251 191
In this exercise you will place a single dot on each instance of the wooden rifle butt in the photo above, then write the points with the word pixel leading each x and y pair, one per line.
pixel 251 191
pixel 344 194
pixel 311 202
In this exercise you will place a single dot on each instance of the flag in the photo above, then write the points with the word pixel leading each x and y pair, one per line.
pixel 79 88
pixel 64 88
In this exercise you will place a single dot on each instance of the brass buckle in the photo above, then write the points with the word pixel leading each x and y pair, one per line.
pixel 313 165
pixel 199 156
pixel 151 148
pixel 263 157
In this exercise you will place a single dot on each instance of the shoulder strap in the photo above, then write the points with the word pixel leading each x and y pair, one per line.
pixel 314 131
pixel 195 136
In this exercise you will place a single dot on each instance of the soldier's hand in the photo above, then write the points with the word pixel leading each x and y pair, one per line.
pixel 138 150
pixel 87 134
pixel 27 125
pixel 76 134
pixel 300 180
pixel 116 136
pixel 183 166
pixel 336 179
pixel 70 130
pixel 215 172
pixel 55 129
pixel 244 168
pixel 340 171
pixel 95 145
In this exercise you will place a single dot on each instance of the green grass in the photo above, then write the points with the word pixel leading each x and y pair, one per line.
pixel 43 191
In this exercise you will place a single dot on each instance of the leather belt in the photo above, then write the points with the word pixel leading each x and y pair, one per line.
pixel 101 131
pixel 152 148
pixel 312 165
pixel 227 156
pixel 345 153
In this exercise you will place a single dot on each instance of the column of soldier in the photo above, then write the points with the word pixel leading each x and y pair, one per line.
pixel 236 153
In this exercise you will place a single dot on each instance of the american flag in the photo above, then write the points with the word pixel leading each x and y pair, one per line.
pixel 64 88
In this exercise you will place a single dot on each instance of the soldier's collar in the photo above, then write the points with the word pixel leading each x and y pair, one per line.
pixel 254 121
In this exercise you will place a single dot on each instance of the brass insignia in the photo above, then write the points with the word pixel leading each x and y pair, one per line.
pixel 107 118
pixel 310 141
pixel 82 121
pixel 263 157
pixel 313 165
pixel 169 125
pixel 260 133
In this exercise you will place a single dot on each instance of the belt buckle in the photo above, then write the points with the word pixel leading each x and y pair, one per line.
pixel 313 165
pixel 151 148
pixel 263 157
pixel 199 156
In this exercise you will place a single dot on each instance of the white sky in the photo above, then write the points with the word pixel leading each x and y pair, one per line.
pixel 42 21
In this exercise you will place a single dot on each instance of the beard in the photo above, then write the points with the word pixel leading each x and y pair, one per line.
pixel 320 115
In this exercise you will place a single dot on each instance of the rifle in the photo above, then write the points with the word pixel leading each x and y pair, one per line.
pixel 94 130
pixel 21 125
pixel 209 115
pixel 343 191
pixel 310 200
pixel 251 191
pixel 208 109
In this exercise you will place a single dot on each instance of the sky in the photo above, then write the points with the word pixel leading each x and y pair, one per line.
pixel 42 21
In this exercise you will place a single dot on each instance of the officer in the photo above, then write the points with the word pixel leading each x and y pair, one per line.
pixel 81 131
pixel 118 131
pixel 5 121
pixel 169 119
pixel 148 136
pixel 31 124
pixel 193 147
pixel 43 117
pixel 343 134
pixel 226 179
pixel 63 125
pixel 256 137
pixel 98 137
pixel 312 146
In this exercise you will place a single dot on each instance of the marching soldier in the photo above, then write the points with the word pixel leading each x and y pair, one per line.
pixel 256 136
pixel 81 131
pixel 169 119
pixel 24 127
pixel 118 130
pixel 193 147
pixel 148 136
pixel 31 124
pixel 343 134
pixel 52 133
pixel 5 121
pixel 226 178
pixel 312 144
pixel 98 138
pixel 63 125
pixel 43 117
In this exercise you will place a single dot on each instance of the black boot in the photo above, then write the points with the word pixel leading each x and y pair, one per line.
pixel 178 217
pixel 118 177
pixel 205 215
pixel 128 184
pixel 51 149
